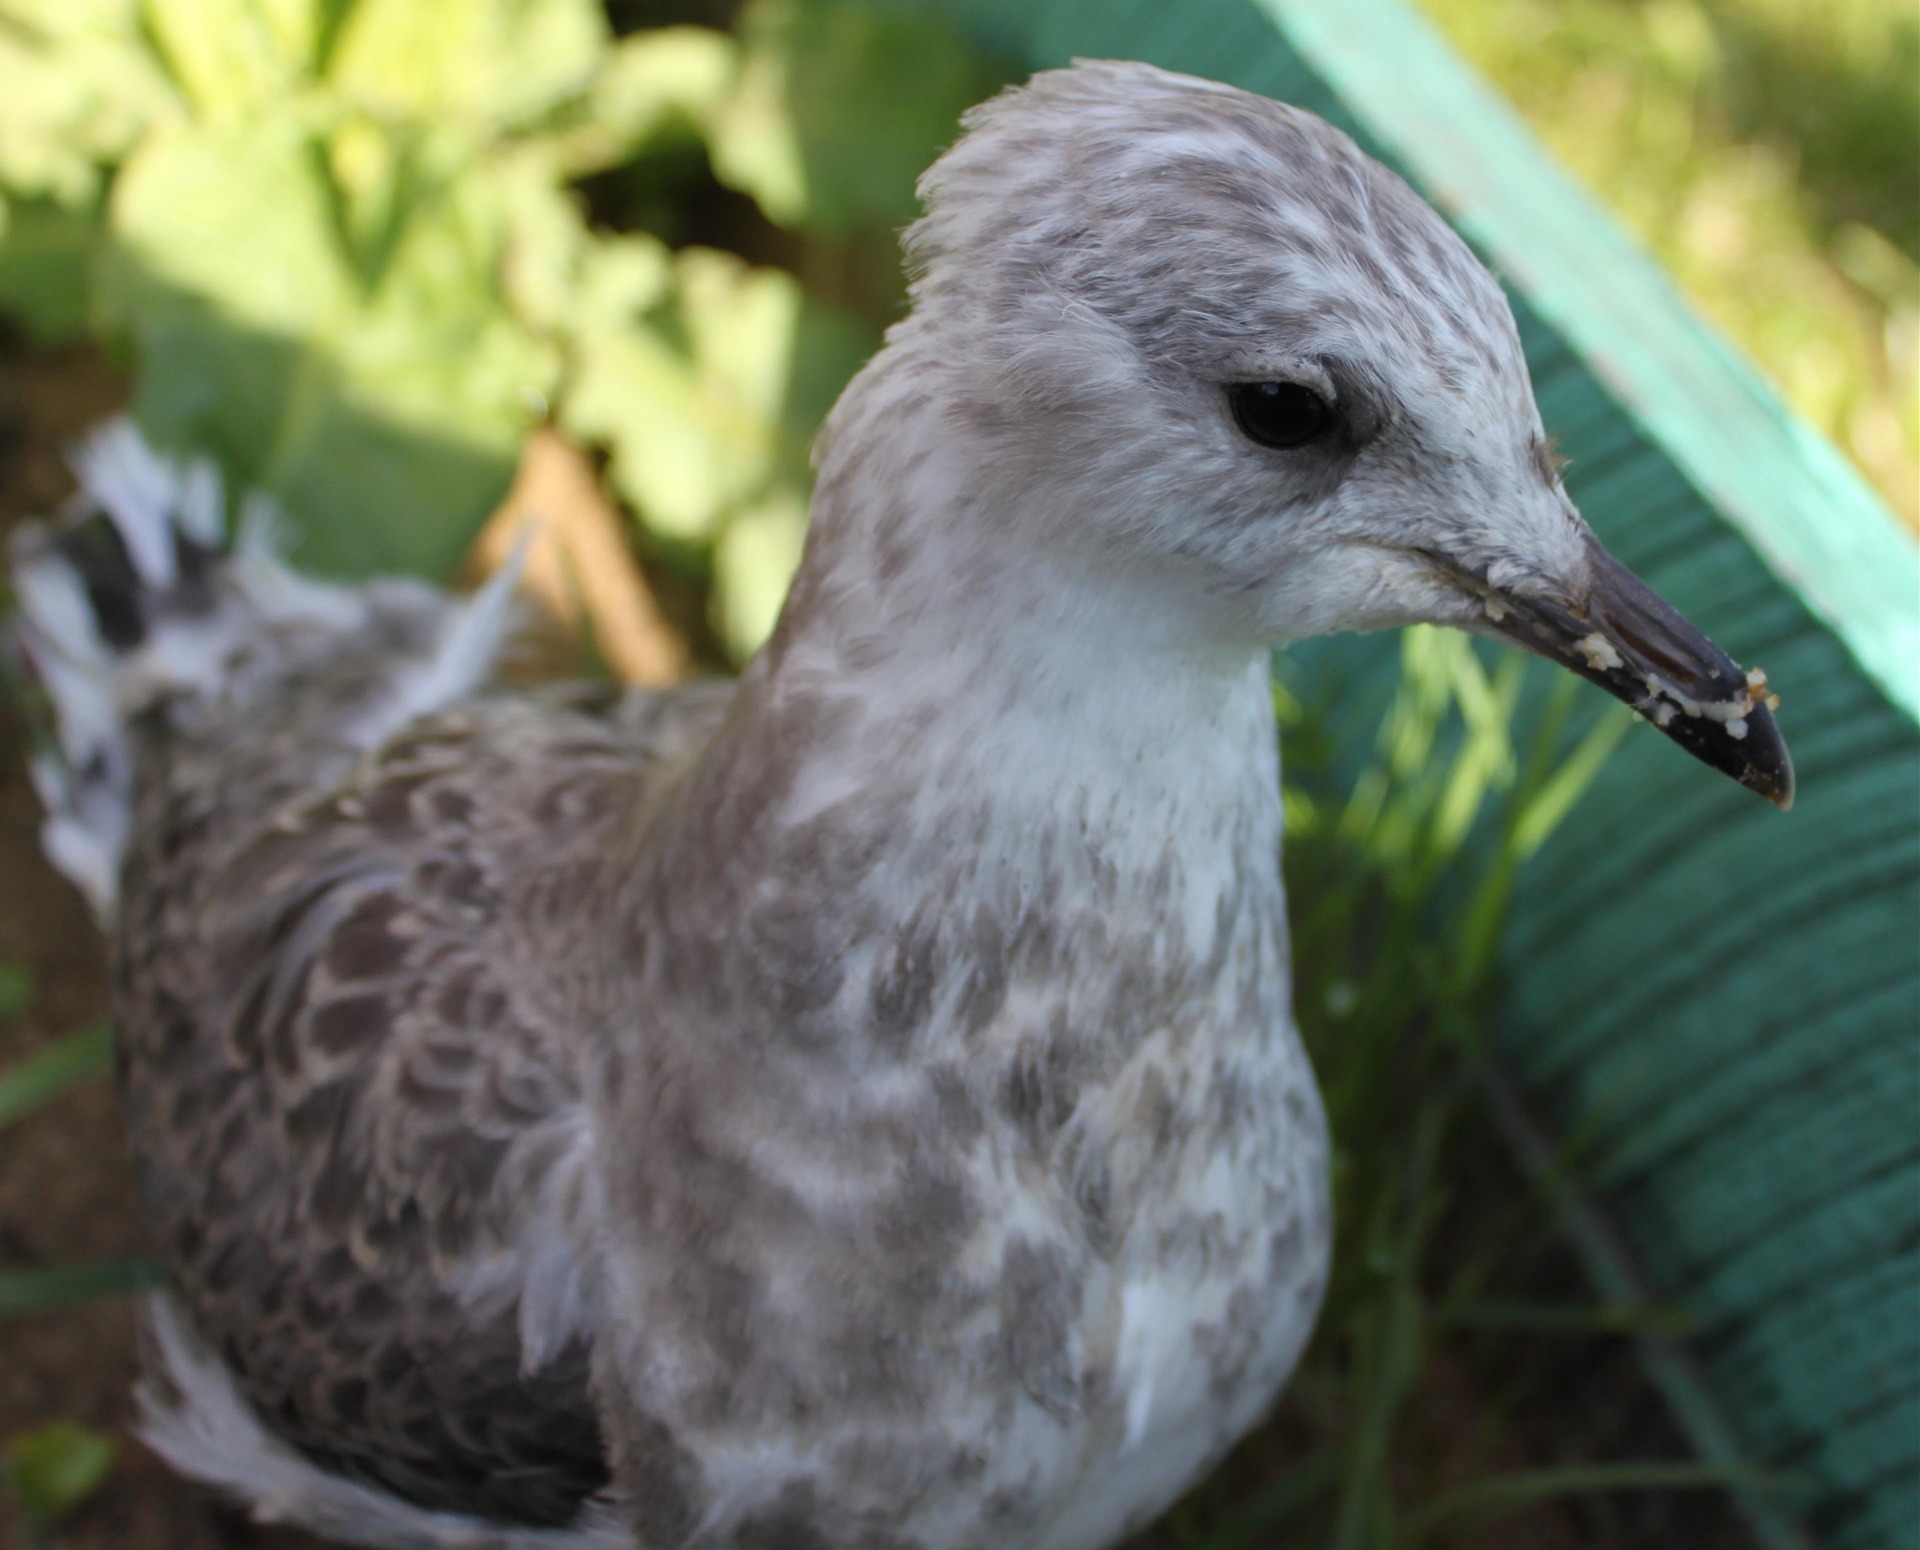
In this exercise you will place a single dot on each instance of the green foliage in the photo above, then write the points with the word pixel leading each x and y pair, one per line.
pixel 344 241
pixel 54 1469
pixel 1764 150
pixel 81 91
pixel 838 110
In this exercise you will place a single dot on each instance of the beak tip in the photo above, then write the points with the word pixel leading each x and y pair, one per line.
pixel 1780 791
pixel 1628 640
pixel 1768 767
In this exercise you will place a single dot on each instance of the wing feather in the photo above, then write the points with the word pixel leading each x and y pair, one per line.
pixel 359 1122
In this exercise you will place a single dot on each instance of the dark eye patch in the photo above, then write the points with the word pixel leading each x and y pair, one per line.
pixel 1284 415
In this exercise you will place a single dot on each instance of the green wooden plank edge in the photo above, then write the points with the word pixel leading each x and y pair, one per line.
pixel 1776 480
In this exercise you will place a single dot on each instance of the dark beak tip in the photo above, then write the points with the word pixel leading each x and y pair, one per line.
pixel 1779 785
pixel 1655 640
pixel 1779 793
pixel 1768 767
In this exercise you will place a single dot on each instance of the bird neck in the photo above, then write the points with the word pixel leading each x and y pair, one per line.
pixel 966 757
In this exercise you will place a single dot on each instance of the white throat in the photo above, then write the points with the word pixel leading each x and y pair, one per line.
pixel 959 629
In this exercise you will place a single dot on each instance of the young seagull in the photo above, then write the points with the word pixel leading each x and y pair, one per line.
pixel 860 1108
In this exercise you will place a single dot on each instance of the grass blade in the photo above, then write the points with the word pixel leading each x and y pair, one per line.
pixel 25 1293
pixel 75 1059
pixel 1500 1496
pixel 1251 1523
pixel 1595 1318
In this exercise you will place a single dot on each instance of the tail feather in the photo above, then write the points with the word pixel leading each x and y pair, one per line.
pixel 133 595
pixel 153 502
pixel 79 779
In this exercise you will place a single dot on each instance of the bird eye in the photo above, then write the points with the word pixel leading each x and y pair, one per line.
pixel 1279 414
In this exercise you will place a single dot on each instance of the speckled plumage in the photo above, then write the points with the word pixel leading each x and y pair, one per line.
pixel 860 1108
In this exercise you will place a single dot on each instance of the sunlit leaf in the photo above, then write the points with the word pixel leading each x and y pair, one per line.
pixel 638 397
pixel 547 244
pixel 387 420
pixel 53 1470
pixel 230 55
pixel 487 64
pixel 709 394
pixel 690 405
pixel 80 88
pixel 740 324
pixel 620 280
pixel 237 213
pixel 752 565
pixel 654 85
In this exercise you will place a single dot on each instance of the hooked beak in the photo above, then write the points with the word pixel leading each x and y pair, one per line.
pixel 1627 639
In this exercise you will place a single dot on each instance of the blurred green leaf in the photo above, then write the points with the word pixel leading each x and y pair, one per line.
pixel 53 1470
pixel 47 253
pixel 65 1064
pixel 386 420
pixel 226 56
pixel 653 87
pixel 540 271
pixel 483 66
pixel 753 563
pixel 689 403
pixel 839 108
pixel 678 452
pixel 620 281
pixel 706 378
pixel 81 88
pixel 238 215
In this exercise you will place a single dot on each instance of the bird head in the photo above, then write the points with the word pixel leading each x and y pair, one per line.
pixel 1200 334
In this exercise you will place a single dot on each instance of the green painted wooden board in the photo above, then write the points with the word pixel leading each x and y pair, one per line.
pixel 1726 1000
